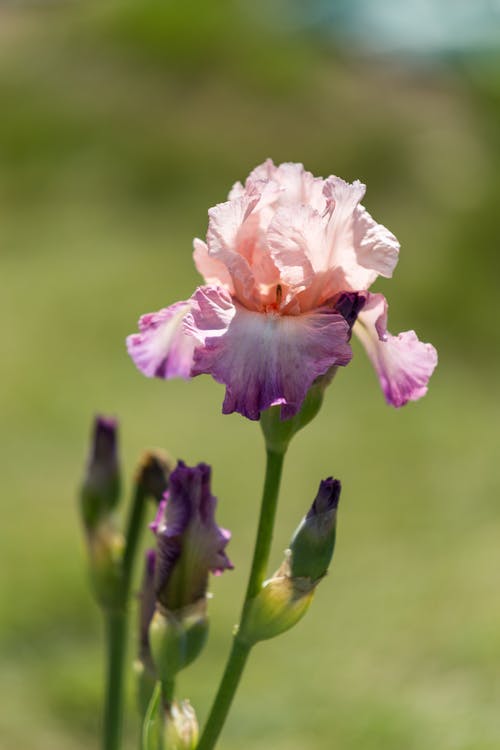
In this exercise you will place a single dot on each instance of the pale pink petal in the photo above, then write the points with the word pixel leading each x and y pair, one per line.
pixel 265 359
pixel 162 348
pixel 293 231
pixel 376 247
pixel 213 270
pixel 262 172
pixel 236 191
pixel 403 364
pixel 292 184
pixel 252 246
pixel 225 223
pixel 299 187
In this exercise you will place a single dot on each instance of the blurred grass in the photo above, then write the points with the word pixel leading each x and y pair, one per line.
pixel 120 125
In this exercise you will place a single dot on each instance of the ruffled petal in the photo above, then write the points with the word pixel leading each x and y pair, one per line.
pixel 359 248
pixel 223 238
pixel 162 348
pixel 403 364
pixel 291 234
pixel 291 185
pixel 265 359
pixel 212 270
pixel 375 246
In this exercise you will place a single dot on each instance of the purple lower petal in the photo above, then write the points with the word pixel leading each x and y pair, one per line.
pixel 162 348
pixel 265 359
pixel 403 364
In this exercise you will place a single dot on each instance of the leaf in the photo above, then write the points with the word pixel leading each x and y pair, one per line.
pixel 152 729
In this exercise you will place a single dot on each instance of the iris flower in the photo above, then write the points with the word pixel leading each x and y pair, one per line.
pixel 287 263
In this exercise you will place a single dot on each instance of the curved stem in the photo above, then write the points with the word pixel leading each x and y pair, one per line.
pixel 240 650
pixel 116 636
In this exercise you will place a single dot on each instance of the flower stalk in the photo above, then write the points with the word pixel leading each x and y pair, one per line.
pixel 240 647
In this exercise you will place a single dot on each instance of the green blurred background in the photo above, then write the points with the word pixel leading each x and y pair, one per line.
pixel 121 123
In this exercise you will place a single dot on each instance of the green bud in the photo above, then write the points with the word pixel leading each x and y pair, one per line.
pixel 177 638
pixel 105 547
pixel 284 599
pixel 313 543
pixel 100 490
pixel 279 605
pixel 181 728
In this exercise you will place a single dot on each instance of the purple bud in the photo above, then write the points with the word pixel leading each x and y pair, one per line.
pixel 314 541
pixel 327 498
pixel 190 544
pixel 153 473
pixel 100 490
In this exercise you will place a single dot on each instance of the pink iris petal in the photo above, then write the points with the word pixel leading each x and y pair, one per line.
pixel 223 238
pixel 359 248
pixel 403 364
pixel 162 349
pixel 291 234
pixel 212 270
pixel 265 359
pixel 376 247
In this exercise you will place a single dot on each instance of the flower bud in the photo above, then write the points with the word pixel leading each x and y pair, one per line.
pixel 284 599
pixel 100 491
pixel 105 547
pixel 177 638
pixel 181 727
pixel 313 543
pixel 153 473
pixel 190 544
pixel 279 605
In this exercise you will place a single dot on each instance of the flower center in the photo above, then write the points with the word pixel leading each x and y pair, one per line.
pixel 274 307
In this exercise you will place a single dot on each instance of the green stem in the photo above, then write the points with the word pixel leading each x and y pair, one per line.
pixel 116 628
pixel 116 636
pixel 240 650
pixel 134 528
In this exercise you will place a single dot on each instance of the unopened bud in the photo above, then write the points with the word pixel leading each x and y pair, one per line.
pixel 153 473
pixel 181 727
pixel 177 638
pixel 313 543
pixel 105 546
pixel 100 491
pixel 190 543
pixel 284 599
pixel 279 605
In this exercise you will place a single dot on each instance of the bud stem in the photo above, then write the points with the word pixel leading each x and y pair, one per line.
pixel 240 649
pixel 116 636
pixel 274 468
pixel 134 528
pixel 116 621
